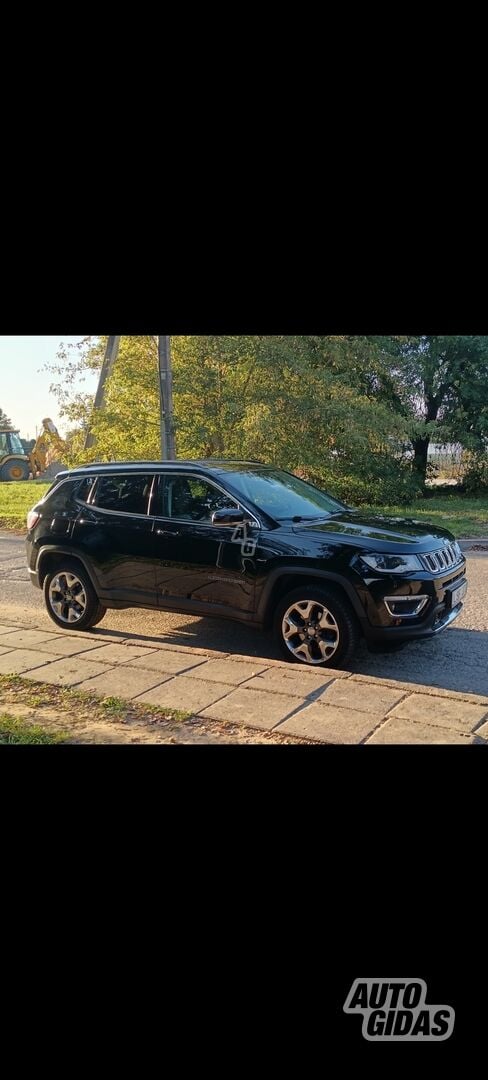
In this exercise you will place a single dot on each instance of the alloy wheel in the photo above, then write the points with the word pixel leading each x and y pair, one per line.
pixel 310 631
pixel 67 597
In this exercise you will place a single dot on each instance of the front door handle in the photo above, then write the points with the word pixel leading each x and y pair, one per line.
pixel 167 532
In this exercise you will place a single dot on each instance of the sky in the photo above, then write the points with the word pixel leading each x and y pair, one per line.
pixel 24 386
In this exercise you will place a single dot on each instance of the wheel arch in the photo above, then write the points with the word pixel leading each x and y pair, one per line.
pixel 49 557
pixel 286 579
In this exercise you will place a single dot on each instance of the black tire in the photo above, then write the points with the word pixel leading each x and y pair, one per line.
pixel 78 598
pixel 101 612
pixel 14 470
pixel 339 630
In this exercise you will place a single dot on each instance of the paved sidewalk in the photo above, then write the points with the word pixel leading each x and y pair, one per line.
pixel 267 695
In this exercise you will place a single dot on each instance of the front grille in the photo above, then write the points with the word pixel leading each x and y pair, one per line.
pixel 437 562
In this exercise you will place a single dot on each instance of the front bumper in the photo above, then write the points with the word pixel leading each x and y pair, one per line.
pixel 434 626
pixel 436 614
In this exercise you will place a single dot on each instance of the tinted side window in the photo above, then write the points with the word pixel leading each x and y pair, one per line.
pixel 127 494
pixel 84 488
pixel 188 498
pixel 61 497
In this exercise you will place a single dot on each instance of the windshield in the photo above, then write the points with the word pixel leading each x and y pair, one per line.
pixel 283 496
pixel 15 444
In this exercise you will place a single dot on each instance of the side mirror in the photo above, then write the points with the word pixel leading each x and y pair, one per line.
pixel 228 516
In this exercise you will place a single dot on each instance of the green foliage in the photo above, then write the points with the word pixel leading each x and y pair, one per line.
pixel 14 731
pixel 342 409
pixel 307 403
pixel 442 388
pixel 463 516
pixel 4 420
pixel 475 480
pixel 17 498
pixel 128 426
pixel 114 705
pixel 375 478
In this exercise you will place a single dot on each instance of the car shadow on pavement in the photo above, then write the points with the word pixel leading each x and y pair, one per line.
pixel 213 635
pixel 455 660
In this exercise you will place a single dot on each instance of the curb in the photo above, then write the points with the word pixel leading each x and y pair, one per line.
pixel 480 543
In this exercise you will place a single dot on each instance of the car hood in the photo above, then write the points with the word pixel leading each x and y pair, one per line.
pixel 352 525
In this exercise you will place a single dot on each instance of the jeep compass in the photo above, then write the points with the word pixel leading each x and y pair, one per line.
pixel 246 541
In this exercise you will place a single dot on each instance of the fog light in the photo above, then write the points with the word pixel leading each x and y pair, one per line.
pixel 407 607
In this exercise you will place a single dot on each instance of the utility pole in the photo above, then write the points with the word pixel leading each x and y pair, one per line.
pixel 165 392
pixel 166 399
pixel 107 367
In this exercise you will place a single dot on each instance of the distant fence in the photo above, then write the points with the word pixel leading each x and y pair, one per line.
pixel 448 461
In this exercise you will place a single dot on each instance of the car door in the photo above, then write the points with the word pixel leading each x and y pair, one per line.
pixel 114 530
pixel 200 565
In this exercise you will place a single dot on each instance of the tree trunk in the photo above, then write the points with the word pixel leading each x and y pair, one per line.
pixel 421 445
pixel 421 450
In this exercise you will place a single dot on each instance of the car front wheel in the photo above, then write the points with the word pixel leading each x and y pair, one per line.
pixel 315 626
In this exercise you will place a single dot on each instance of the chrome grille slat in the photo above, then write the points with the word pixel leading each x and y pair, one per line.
pixel 442 559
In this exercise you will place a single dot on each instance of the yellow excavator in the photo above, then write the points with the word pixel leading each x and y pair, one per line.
pixel 16 464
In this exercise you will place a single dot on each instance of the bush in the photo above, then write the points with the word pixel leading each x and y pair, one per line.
pixel 379 480
pixel 475 481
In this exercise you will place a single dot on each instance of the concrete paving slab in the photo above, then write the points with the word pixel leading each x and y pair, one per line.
pixel 133 666
pixel 377 700
pixel 330 724
pixel 20 639
pixel 299 682
pixel 166 661
pixel 192 695
pixel 458 715
pixel 398 731
pixel 233 672
pixel 19 660
pixel 70 645
pixel 69 671
pixel 123 682
pixel 117 654
pixel 172 646
pixel 98 637
pixel 420 688
pixel 254 708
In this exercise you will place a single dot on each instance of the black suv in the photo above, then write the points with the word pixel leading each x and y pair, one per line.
pixel 242 540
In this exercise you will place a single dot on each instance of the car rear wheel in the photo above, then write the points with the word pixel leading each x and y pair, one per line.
pixel 317 627
pixel 70 598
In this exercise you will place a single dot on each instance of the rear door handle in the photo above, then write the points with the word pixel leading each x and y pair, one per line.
pixel 167 532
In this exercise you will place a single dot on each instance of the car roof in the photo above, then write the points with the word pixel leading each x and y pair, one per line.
pixel 207 464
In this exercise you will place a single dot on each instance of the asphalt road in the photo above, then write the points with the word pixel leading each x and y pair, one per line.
pixel 455 660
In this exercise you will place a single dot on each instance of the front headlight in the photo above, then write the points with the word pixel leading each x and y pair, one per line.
pixel 392 564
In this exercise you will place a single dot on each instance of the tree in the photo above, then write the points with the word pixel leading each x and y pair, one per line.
pixel 441 384
pixel 4 420
pixel 313 404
